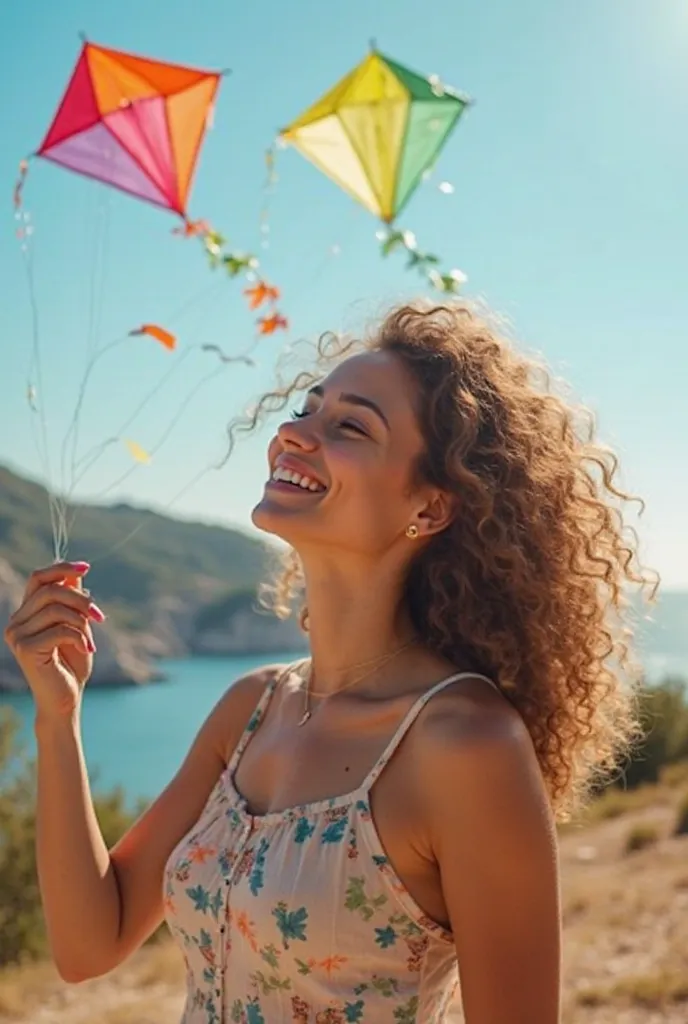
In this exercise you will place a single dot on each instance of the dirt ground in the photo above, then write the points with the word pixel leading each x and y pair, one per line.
pixel 625 937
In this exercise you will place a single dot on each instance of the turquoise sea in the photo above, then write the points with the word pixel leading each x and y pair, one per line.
pixel 137 737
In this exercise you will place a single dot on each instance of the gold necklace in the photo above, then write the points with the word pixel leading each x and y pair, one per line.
pixel 373 664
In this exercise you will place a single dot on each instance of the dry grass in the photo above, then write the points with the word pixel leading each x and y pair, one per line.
pixel 148 989
pixel 626 913
pixel 675 775
pixel 35 982
pixel 625 932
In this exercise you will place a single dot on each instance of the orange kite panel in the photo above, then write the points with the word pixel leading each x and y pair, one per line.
pixel 165 79
pixel 187 114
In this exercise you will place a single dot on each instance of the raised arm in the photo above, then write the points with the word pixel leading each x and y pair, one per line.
pixel 100 905
pixel 494 840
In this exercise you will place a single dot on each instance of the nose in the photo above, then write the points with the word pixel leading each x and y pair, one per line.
pixel 297 435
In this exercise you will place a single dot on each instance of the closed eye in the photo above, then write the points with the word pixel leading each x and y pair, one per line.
pixel 348 425
pixel 299 414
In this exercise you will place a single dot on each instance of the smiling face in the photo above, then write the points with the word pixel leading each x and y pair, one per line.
pixel 342 470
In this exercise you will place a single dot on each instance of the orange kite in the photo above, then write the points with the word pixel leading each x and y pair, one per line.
pixel 133 123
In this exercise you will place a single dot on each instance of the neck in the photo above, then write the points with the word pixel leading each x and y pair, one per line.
pixel 354 616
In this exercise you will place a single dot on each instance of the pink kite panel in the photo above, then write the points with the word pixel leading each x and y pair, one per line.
pixel 97 154
pixel 141 128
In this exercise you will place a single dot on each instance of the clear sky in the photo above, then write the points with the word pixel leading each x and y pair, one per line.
pixel 570 217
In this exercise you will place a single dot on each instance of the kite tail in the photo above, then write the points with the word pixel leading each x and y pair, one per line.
pixel 17 197
pixel 426 263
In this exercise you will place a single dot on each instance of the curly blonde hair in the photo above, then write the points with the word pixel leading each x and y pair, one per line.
pixel 529 583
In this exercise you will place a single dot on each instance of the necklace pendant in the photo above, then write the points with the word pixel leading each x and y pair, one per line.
pixel 304 717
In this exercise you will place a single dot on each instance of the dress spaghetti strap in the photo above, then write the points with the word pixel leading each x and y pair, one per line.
pixel 411 716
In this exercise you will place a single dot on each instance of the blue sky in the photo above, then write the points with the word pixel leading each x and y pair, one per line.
pixel 570 217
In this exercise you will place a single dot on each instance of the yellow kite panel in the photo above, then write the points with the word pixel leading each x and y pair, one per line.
pixel 327 145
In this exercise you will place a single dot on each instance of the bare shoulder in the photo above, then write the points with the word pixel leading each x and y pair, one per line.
pixel 471 716
pixel 474 739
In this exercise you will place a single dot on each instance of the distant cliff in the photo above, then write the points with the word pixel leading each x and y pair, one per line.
pixel 234 625
pixel 169 588
pixel 174 627
pixel 120 660
pixel 172 588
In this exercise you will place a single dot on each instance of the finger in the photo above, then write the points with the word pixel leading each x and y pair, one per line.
pixel 88 633
pixel 60 594
pixel 52 593
pixel 54 574
pixel 46 618
pixel 44 643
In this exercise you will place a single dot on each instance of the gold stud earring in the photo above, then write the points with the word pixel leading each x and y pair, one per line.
pixel 412 531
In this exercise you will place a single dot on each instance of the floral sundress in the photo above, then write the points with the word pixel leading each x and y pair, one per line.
pixel 298 917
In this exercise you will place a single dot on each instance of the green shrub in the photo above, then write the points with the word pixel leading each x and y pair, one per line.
pixel 663 711
pixel 681 826
pixel 639 837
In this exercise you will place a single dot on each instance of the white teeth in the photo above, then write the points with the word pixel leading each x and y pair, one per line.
pixel 292 477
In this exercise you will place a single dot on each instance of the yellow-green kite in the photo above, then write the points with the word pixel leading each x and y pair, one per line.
pixel 377 131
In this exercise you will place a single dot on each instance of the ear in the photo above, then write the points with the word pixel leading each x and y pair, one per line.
pixel 437 514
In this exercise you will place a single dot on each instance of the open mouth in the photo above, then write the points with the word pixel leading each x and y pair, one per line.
pixel 296 480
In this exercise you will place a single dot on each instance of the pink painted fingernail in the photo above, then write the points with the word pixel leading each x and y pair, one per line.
pixel 81 566
pixel 91 646
pixel 95 612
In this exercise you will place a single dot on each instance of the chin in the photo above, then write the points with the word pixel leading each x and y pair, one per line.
pixel 261 518
pixel 273 518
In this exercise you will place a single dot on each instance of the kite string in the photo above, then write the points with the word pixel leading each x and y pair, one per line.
pixel 92 356
pixel 59 506
pixel 36 371
pixel 179 313
pixel 321 267
pixel 94 453
pixel 213 466
pixel 74 423
pixel 83 384
pixel 91 456
pixel 79 470
pixel 101 211
pixel 173 422
pixel 58 501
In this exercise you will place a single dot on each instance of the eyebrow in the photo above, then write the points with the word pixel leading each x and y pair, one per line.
pixel 351 399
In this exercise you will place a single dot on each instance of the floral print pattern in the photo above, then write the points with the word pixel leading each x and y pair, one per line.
pixel 298 917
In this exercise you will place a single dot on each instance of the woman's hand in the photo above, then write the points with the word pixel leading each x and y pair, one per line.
pixel 50 636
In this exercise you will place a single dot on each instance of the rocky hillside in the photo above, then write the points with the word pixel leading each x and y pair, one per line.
pixel 169 587
pixel 172 588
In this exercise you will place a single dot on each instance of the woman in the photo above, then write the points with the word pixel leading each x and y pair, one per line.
pixel 349 835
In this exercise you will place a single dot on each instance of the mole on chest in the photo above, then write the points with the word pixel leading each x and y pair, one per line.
pixel 286 776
